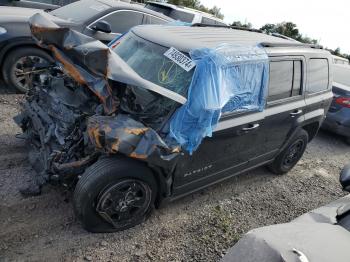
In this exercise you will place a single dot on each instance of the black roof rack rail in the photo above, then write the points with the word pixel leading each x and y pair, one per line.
pixel 296 44
pixel 228 26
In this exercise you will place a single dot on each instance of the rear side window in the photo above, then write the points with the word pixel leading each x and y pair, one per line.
pixel 182 16
pixel 285 79
pixel 122 21
pixel 318 75
pixel 150 19
pixel 208 21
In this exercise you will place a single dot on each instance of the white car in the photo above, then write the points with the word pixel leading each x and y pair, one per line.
pixel 185 14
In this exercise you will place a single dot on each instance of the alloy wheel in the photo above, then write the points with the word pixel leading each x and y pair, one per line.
pixel 124 202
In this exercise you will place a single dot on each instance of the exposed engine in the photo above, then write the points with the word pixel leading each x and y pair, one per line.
pixel 53 121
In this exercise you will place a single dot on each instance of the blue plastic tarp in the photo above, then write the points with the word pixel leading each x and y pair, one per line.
pixel 228 78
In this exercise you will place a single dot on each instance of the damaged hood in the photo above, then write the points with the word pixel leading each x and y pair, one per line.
pixel 314 236
pixel 90 62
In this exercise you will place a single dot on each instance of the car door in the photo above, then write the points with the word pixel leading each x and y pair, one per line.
pixel 228 151
pixel 285 107
pixel 120 21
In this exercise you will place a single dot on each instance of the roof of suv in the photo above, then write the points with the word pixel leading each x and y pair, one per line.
pixel 186 38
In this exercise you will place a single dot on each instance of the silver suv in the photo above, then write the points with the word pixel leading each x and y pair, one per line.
pixel 185 14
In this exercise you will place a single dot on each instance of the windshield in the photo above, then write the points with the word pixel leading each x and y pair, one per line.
pixel 80 11
pixel 148 60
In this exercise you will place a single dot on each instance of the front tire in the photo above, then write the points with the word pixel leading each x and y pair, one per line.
pixel 288 158
pixel 114 194
pixel 19 63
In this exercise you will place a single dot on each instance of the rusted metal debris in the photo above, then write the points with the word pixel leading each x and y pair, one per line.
pixel 76 114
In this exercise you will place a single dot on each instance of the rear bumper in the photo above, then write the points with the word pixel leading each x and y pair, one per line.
pixel 338 122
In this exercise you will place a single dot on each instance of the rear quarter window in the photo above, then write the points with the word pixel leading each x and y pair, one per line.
pixel 150 19
pixel 318 75
pixel 208 21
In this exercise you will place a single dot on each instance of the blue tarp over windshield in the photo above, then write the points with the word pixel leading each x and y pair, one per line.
pixel 228 78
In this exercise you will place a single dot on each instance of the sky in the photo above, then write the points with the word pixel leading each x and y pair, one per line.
pixel 329 23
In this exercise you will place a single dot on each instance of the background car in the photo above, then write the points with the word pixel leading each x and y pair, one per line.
pixel 338 116
pixel 185 14
pixel 102 19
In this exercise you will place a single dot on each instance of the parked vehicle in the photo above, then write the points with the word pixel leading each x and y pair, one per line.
pixel 338 116
pixel 102 19
pixel 184 14
pixel 321 235
pixel 340 60
pixel 164 125
pixel 38 4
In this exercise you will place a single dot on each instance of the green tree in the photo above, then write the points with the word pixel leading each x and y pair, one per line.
pixel 288 29
pixel 240 24
pixel 336 51
pixel 269 28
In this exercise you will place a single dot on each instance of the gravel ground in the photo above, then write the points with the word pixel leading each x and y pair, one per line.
pixel 199 227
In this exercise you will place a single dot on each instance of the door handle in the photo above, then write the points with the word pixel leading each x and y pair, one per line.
pixel 251 127
pixel 296 113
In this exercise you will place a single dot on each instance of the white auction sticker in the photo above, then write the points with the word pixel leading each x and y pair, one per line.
pixel 180 59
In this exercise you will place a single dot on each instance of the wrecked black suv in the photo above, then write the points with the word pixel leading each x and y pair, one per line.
pixel 165 111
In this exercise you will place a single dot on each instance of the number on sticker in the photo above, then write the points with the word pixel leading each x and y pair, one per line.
pixel 180 59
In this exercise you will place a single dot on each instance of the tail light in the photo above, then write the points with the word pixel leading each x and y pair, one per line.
pixel 343 101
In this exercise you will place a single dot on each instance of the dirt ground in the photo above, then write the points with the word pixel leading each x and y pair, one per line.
pixel 199 227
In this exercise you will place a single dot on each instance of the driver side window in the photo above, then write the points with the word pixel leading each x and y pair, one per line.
pixel 122 21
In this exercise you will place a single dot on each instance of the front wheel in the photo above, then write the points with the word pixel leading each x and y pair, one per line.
pixel 288 158
pixel 114 194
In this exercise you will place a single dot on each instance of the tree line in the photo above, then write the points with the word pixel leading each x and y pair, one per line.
pixel 291 30
pixel 288 29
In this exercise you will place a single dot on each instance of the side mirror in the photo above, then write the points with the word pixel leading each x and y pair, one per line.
pixel 345 178
pixel 102 26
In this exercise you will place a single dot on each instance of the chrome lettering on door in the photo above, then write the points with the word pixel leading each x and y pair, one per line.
pixel 205 168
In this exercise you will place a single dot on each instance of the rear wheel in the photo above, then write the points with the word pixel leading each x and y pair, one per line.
pixel 114 194
pixel 19 68
pixel 288 158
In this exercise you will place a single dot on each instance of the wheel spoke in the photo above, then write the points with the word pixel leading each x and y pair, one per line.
pixel 20 78
pixel 136 202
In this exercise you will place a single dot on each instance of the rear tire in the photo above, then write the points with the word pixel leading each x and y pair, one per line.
pixel 288 158
pixel 114 194
pixel 20 61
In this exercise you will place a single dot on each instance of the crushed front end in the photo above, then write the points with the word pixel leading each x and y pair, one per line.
pixel 77 112
pixel 54 121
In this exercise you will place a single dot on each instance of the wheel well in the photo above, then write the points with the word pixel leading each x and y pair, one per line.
pixel 8 51
pixel 311 129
